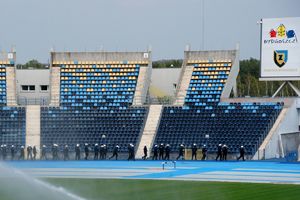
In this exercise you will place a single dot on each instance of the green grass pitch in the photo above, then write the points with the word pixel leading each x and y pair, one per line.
pixel 105 189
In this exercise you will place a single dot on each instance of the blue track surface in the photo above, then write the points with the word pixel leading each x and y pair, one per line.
pixel 249 171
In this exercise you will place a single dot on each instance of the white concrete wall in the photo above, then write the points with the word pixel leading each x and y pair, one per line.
pixel 231 80
pixel 99 56
pixel 162 81
pixel 35 77
pixel 272 146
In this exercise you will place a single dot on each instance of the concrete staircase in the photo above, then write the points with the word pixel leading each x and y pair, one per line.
pixel 272 140
pixel 33 126
pixel 184 84
pixel 55 86
pixel 139 95
pixel 150 129
pixel 11 86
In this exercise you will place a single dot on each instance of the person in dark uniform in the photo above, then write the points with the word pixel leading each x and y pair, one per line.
pixel 131 152
pixel 66 152
pixel 242 153
pixel 77 152
pixel 104 151
pixel 34 150
pixel 167 150
pixel 96 152
pixel 224 152
pixel 194 151
pixel 180 152
pixel 12 152
pixel 22 153
pixel 219 152
pixel 86 151
pixel 1 148
pixel 29 152
pixel 43 153
pixel 101 151
pixel 155 152
pixel 161 151
pixel 145 153
pixel 4 152
pixel 115 152
pixel 55 152
pixel 204 152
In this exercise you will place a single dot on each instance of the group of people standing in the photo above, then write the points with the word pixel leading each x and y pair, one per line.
pixel 100 152
pixel 4 152
pixel 222 151
pixel 160 152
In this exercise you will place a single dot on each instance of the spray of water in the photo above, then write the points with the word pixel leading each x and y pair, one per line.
pixel 16 185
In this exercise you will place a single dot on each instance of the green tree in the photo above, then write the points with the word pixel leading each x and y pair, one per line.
pixel 32 64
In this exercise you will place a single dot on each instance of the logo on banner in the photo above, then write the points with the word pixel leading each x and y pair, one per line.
pixel 281 35
pixel 280 57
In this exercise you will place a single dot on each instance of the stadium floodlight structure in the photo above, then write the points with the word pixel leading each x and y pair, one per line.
pixel 280 50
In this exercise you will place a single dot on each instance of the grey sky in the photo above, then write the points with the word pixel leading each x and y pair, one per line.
pixel 34 26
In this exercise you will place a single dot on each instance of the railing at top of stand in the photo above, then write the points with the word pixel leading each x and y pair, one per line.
pixel 46 101
pixel 42 101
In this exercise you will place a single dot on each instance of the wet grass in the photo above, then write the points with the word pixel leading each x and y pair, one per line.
pixel 117 189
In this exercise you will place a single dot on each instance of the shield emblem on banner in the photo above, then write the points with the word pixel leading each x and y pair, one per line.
pixel 280 57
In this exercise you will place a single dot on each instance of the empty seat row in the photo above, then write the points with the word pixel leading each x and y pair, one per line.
pixel 94 126
pixel 234 128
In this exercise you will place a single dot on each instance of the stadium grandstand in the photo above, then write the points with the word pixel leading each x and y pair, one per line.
pixel 12 116
pixel 104 98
